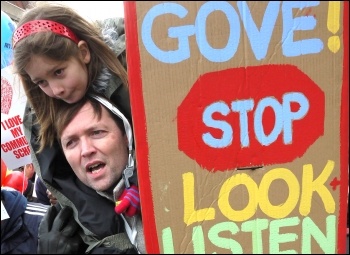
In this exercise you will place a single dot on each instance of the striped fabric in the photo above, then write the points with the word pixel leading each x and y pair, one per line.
pixel 36 209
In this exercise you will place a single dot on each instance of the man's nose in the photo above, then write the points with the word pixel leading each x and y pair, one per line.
pixel 87 147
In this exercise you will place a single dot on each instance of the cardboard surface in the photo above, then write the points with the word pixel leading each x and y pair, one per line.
pixel 240 113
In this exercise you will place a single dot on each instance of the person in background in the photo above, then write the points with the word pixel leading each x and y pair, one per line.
pixel 29 173
pixel 19 223
pixel 42 193
pixel 33 187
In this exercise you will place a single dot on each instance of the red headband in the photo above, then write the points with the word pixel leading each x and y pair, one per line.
pixel 36 26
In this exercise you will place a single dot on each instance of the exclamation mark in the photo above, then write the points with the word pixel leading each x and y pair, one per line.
pixel 333 23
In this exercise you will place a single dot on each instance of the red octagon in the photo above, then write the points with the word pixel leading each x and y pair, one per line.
pixel 249 83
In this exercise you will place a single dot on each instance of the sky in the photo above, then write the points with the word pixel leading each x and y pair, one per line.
pixel 97 10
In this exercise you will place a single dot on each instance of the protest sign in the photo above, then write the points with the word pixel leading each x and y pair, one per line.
pixel 15 150
pixel 240 113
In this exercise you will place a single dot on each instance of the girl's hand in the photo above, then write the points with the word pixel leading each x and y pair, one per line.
pixel 129 202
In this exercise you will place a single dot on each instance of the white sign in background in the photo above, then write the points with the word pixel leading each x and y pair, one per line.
pixel 15 150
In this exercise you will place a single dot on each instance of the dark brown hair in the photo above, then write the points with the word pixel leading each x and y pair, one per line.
pixel 67 112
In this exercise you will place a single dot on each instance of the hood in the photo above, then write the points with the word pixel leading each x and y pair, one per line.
pixel 113 33
pixel 15 204
pixel 112 30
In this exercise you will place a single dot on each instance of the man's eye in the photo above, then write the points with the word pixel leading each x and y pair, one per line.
pixel 98 133
pixel 69 144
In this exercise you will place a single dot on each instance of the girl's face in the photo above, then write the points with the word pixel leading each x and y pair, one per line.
pixel 65 80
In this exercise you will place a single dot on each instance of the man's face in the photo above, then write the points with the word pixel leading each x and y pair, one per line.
pixel 29 171
pixel 95 149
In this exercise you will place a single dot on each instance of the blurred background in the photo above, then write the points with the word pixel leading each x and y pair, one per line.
pixel 95 10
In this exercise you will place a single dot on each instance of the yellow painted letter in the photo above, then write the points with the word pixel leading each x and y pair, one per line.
pixel 309 186
pixel 190 214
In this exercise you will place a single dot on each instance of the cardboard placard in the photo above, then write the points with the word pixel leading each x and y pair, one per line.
pixel 240 113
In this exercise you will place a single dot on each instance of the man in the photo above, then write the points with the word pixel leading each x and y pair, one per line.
pixel 98 148
pixel 36 190
pixel 29 172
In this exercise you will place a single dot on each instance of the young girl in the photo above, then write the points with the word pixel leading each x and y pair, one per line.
pixel 60 57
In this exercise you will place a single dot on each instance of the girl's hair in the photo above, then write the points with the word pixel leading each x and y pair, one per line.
pixel 67 112
pixel 60 48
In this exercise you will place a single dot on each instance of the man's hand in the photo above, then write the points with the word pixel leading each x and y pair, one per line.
pixel 58 232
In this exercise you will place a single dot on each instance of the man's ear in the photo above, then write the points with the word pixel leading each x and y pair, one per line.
pixel 85 52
